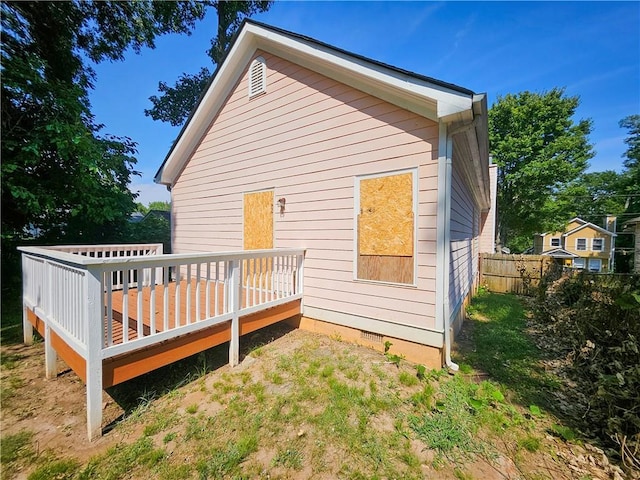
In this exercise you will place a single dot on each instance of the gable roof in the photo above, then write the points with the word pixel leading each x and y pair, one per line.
pixel 426 96
pixel 559 253
pixel 574 219
pixel 590 225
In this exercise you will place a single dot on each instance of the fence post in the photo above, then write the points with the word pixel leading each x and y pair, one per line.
pixel 94 312
pixel 50 356
pixel 235 295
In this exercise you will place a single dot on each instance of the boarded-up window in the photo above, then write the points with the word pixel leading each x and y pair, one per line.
pixel 258 220
pixel 386 228
pixel 258 234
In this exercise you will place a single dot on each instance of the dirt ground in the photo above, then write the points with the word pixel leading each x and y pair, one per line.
pixel 55 411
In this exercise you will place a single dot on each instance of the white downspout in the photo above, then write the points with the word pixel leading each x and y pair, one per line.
pixel 447 264
pixel 444 242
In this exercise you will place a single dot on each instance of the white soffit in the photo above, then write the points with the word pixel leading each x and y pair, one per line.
pixel 430 100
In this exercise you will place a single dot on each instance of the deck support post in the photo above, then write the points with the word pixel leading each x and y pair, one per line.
pixel 27 328
pixel 94 333
pixel 234 305
pixel 50 355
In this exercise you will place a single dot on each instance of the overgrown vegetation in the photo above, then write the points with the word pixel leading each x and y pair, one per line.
pixel 595 323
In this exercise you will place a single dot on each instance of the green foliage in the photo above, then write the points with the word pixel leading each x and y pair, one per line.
pixel 595 318
pixel 174 104
pixel 539 151
pixel 223 462
pixel 63 180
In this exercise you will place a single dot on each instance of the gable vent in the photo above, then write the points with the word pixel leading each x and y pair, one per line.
pixel 257 77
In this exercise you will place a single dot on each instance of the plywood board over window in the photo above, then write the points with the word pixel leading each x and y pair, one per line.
pixel 386 228
pixel 258 234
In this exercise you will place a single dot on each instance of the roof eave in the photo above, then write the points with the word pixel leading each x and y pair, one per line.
pixel 427 97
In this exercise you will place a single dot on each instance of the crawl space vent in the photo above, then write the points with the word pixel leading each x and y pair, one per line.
pixel 371 337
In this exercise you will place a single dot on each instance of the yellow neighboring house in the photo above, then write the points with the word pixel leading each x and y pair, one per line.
pixel 582 245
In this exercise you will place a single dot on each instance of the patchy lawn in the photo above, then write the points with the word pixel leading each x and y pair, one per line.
pixel 302 405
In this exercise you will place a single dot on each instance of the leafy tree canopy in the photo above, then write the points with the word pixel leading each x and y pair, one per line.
pixel 174 104
pixel 631 182
pixel 540 152
pixel 61 177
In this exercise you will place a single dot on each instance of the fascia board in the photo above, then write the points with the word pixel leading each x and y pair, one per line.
pixel 374 79
pixel 590 225
pixel 429 100
pixel 209 106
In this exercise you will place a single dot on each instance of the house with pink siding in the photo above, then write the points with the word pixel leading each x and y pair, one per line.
pixel 381 175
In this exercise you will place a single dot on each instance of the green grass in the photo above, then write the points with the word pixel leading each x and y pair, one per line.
pixel 303 408
pixel 502 348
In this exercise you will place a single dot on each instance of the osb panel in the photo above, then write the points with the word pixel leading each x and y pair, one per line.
pixel 258 220
pixel 385 223
pixel 394 269
pixel 258 234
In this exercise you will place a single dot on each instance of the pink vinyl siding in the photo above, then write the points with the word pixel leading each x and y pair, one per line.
pixel 464 233
pixel 307 138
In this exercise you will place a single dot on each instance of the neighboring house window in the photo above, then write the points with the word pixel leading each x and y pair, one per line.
pixel 257 77
pixel 555 242
pixel 385 207
pixel 597 244
pixel 578 263
pixel 581 244
pixel 595 264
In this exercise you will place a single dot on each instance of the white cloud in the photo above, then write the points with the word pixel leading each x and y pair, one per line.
pixel 150 192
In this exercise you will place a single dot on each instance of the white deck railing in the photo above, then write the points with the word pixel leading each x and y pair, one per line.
pixel 104 301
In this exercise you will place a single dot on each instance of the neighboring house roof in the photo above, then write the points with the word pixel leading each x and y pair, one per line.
pixel 589 225
pixel 633 221
pixel 425 96
pixel 559 253
pixel 583 223
pixel 136 217
pixel 158 213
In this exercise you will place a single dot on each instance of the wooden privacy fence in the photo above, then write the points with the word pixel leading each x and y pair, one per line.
pixel 512 273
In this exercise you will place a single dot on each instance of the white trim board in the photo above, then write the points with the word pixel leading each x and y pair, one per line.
pixel 411 333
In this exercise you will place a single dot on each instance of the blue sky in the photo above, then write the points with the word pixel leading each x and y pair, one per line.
pixel 591 48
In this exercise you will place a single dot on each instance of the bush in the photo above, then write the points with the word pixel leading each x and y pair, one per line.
pixel 597 318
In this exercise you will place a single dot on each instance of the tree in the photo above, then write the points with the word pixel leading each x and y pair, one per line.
pixel 539 151
pixel 631 174
pixel 61 176
pixel 593 196
pixel 164 206
pixel 175 103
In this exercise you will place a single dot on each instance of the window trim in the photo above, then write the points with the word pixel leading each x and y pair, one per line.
pixel 263 81
pixel 586 245
pixel 594 260
pixel 554 238
pixel 356 211
pixel 601 249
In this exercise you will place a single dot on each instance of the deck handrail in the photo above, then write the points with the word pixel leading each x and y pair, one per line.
pixel 84 300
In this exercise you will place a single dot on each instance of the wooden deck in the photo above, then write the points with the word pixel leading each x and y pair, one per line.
pixel 192 306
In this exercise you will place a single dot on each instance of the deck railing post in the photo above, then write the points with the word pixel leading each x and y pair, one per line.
pixel 50 356
pixel 300 276
pixel 235 295
pixel 94 332
pixel 27 328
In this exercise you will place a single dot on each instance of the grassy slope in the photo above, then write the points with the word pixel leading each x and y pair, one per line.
pixel 326 409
